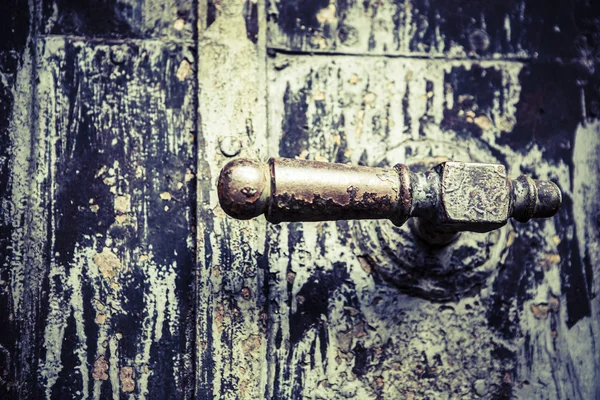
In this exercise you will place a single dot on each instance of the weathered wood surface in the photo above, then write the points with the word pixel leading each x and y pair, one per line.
pixel 98 270
pixel 126 19
pixel 530 331
pixel 515 29
pixel 231 309
pixel 343 332
pixel 122 277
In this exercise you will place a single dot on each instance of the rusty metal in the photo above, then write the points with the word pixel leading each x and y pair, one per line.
pixel 318 191
pixel 450 198
pixel 244 188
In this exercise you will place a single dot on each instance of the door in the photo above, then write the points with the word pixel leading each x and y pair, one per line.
pixel 122 277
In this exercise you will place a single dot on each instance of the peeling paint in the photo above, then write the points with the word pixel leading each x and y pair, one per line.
pixel 108 263
pixel 101 366
pixel 126 378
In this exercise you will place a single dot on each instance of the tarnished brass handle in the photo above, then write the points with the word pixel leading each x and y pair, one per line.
pixel 452 197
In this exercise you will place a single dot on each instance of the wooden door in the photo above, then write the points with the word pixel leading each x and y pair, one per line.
pixel 121 277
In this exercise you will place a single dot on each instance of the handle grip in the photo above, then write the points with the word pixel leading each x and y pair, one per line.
pixel 452 197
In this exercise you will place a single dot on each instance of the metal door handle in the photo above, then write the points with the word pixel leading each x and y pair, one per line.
pixel 452 197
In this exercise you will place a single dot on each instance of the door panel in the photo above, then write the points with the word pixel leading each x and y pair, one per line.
pixel 342 331
pixel 231 278
pixel 101 188
pixel 519 29
pixel 118 145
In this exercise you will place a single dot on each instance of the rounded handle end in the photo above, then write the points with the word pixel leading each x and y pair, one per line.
pixel 243 188
pixel 534 199
pixel 549 199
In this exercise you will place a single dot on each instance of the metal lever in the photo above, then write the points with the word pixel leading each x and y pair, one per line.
pixel 450 198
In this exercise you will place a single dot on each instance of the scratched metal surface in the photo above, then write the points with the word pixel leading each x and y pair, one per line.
pixel 122 278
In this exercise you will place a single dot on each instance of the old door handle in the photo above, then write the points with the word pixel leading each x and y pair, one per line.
pixel 451 197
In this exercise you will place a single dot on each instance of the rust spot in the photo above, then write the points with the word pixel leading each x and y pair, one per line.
pixel 243 388
pixel 367 263
pixel 246 292
pixel 507 124
pixel 344 339
pixel 219 313
pixel 179 24
pixel 189 175
pixel 251 344
pixel 291 276
pixel 324 384
pixel 553 303
pixel 108 263
pixel 511 238
pixel 126 377
pixel 327 15
pixel 541 310
pixel 100 318
pixel 100 369
pixel 319 96
pixel 359 330
pixel 549 260
pixel 369 98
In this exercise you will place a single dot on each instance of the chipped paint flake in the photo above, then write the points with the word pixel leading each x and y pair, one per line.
pixel 166 196
pixel 101 367
pixel 108 263
pixel 122 204
pixel 184 70
pixel 126 378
